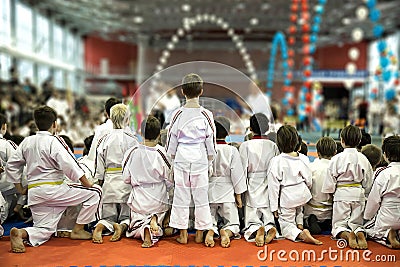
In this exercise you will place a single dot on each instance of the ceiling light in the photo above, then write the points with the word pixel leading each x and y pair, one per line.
pixel 138 19
pixel 186 7
pixel 254 21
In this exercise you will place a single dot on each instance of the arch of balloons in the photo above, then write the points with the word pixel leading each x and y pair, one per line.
pixel 187 25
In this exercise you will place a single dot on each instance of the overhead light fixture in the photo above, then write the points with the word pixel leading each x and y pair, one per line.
pixel 186 7
pixel 254 21
pixel 138 19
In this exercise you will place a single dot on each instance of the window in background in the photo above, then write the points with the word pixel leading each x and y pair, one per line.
pixel 5 64
pixel 42 45
pixel 25 69
pixel 24 27
pixel 5 22
pixel 58 42
pixel 59 79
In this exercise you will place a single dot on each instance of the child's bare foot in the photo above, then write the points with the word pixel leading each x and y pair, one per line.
pixel 394 241
pixel 63 234
pixel 199 237
pixel 350 238
pixel 260 236
pixel 98 234
pixel 225 238
pixel 147 238
pixel 361 241
pixel 308 238
pixel 183 236
pixel 300 226
pixel 153 225
pixel 119 230
pixel 168 231
pixel 16 238
pixel 270 235
pixel 209 241
pixel 81 234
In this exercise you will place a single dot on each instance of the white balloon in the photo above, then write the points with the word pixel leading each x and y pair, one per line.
pixel 159 67
pixel 163 60
pixel 362 12
pixel 180 32
pixel 239 45
pixel 354 53
pixel 225 25
pixel 351 68
pixel 165 53
pixel 174 39
pixel 243 51
pixel 253 76
pixel 348 84
pixel 235 38
pixel 231 32
pixel 170 46
pixel 357 34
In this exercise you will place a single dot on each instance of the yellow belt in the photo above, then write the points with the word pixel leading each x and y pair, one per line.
pixel 349 185
pixel 319 206
pixel 113 169
pixel 44 183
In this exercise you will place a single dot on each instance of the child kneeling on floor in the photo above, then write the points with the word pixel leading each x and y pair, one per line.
pixel 146 169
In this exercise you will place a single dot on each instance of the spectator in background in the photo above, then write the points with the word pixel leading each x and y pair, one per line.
pixel 29 88
pixel 169 103
pixel 375 113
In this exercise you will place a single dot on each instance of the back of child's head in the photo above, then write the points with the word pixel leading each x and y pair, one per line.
pixel 110 103
pixel 391 148
pixel 68 141
pixel 299 141
pixel 119 115
pixel 192 85
pixel 287 139
pixel 339 147
pixel 326 147
pixel 303 148
pixel 222 127
pixel 88 143
pixel 3 120
pixel 259 124
pixel 44 117
pixel 150 128
pixel 373 154
pixel 365 139
pixel 351 136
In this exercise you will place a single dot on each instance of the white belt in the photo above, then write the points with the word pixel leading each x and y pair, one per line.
pixel 220 179
pixel 257 175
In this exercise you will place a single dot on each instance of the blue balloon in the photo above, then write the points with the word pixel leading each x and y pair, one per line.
pixel 386 75
pixel 317 19
pixel 315 28
pixel 373 96
pixel 304 89
pixel 377 30
pixel 384 62
pixel 287 82
pixel 374 15
pixel 302 117
pixel 290 112
pixel 302 107
pixel 285 101
pixel 396 75
pixel 390 94
pixel 303 97
pixel 381 46
pixel 285 65
pixel 319 9
pixel 312 49
pixel 371 3
pixel 313 38
pixel 322 2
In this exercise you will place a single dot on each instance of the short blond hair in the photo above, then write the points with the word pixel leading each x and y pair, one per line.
pixel 119 114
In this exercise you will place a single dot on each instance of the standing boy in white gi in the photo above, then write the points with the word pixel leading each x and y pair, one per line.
pixel 382 208
pixel 318 211
pixel 47 159
pixel 349 178
pixel 191 145
pixel 146 171
pixel 227 183
pixel 110 153
pixel 289 180
pixel 256 155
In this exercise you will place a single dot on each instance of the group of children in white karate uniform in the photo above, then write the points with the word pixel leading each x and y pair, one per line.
pixel 278 185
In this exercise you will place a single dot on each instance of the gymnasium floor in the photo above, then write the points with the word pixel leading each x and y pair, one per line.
pixel 127 252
